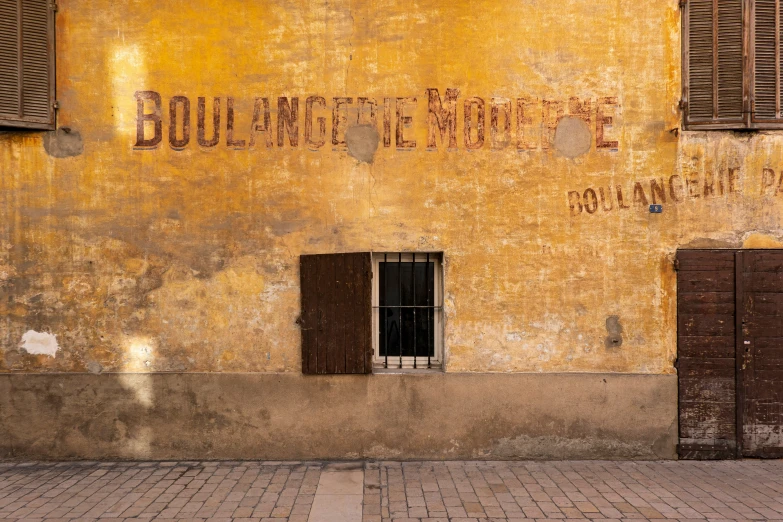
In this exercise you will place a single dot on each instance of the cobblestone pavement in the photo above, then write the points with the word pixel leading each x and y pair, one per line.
pixel 404 492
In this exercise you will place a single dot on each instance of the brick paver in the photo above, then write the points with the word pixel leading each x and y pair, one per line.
pixel 110 491
pixel 495 491
pixel 404 492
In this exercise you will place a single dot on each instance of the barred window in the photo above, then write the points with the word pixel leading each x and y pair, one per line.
pixel 363 312
pixel 407 310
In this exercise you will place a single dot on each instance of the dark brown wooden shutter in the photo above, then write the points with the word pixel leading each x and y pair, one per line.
pixel 27 64
pixel 713 63
pixel 336 316
pixel 766 38
pixel 705 354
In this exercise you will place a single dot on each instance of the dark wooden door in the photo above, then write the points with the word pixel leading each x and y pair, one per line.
pixel 705 354
pixel 760 349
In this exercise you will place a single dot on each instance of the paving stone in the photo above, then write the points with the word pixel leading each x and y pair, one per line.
pixel 421 491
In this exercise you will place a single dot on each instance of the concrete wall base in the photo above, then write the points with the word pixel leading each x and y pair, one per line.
pixel 293 417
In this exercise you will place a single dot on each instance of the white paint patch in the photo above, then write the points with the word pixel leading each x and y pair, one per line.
pixel 39 343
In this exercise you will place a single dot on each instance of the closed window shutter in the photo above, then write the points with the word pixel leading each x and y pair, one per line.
pixel 336 317
pixel 767 62
pixel 714 58
pixel 26 64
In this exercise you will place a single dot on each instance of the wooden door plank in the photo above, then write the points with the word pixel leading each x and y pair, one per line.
pixel 708 281
pixel 706 346
pixel 761 342
pixel 705 324
pixel 739 347
pixel 706 354
pixel 700 260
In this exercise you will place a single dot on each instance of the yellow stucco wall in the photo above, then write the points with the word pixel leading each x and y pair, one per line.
pixel 187 260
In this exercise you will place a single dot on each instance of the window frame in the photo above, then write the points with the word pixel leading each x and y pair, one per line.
pixel 437 362
pixel 30 123
pixel 749 122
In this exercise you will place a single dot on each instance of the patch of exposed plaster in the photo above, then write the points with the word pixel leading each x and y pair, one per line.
pixel 362 141
pixel 705 242
pixel 63 143
pixel 572 137
pixel 757 240
pixel 39 343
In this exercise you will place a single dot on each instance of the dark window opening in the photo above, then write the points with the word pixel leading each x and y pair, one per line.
pixel 407 311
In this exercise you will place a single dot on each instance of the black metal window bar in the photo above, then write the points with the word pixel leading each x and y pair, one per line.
pixel 407 309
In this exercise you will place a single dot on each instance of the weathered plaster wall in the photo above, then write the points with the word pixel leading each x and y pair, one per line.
pixel 289 416
pixel 185 259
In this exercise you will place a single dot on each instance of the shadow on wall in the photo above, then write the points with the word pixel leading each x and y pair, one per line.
pixel 292 417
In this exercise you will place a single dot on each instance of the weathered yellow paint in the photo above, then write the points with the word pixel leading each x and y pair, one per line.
pixel 167 260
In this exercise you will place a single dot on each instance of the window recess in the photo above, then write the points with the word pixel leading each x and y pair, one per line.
pixel 732 64
pixel 27 95
pixel 363 311
pixel 407 310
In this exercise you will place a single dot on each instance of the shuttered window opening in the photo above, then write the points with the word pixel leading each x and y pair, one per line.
pixel 363 311
pixel 27 64
pixel 721 88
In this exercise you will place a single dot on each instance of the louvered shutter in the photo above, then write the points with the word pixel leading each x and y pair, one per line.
pixel 766 37
pixel 27 64
pixel 713 63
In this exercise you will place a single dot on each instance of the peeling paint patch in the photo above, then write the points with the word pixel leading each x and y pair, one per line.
pixel 39 343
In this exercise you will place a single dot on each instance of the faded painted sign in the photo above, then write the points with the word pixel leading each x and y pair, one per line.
pixel 527 123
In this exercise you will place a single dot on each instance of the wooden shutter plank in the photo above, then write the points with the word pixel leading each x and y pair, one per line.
pixel 36 103
pixel 358 314
pixel 766 64
pixel 730 60
pixel 354 357
pixel 701 67
pixel 10 102
pixel 336 356
pixel 365 312
pixel 326 340
pixel 308 277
